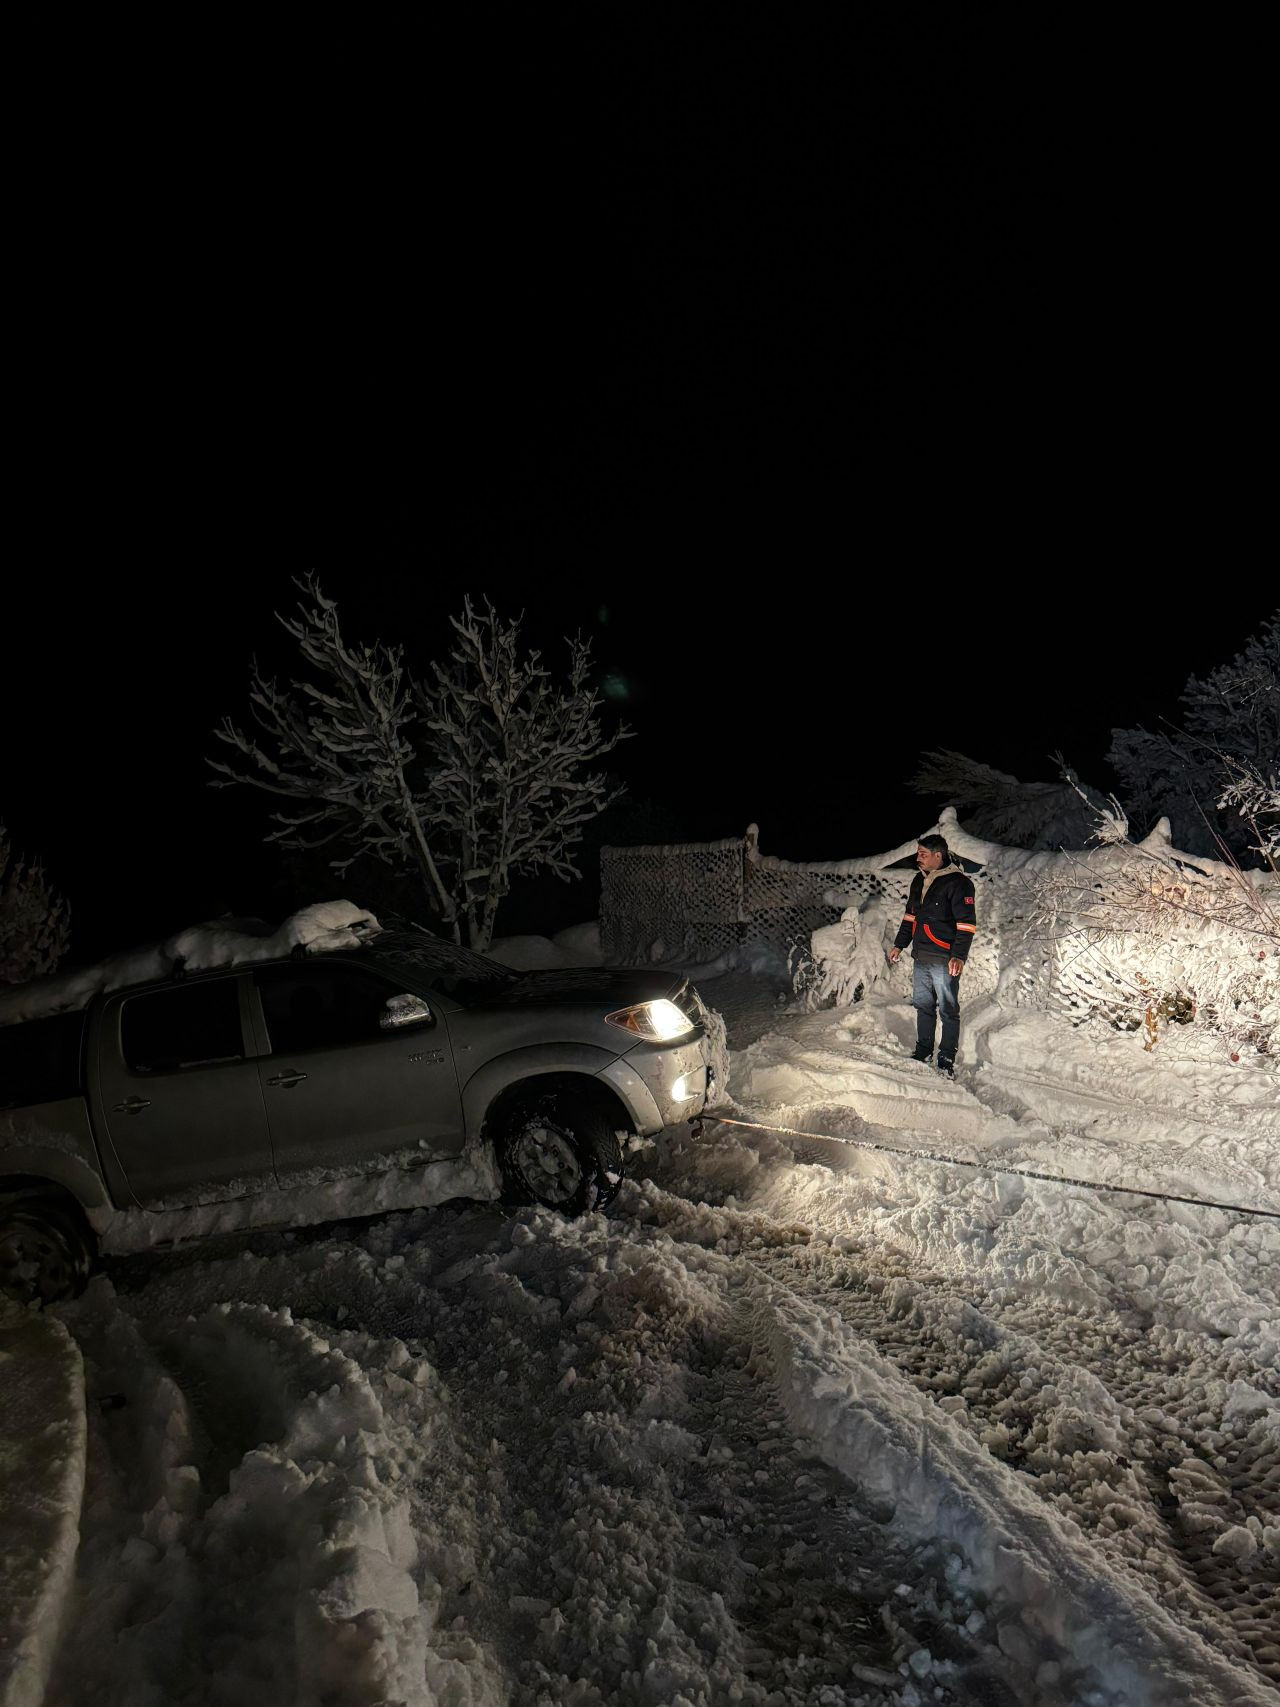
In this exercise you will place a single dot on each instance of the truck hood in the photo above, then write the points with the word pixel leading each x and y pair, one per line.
pixel 587 986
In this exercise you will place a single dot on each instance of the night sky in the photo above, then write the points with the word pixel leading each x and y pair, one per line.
pixel 856 395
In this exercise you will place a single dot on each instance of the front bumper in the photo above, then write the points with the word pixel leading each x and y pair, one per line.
pixel 662 1084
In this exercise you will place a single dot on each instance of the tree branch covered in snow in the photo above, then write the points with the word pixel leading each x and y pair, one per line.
pixel 35 921
pixel 467 778
pixel 337 743
pixel 1257 800
pixel 998 806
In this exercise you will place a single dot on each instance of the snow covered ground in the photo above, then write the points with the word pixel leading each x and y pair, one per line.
pixel 796 1422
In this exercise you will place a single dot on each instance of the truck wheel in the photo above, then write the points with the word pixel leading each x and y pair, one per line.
pixel 559 1151
pixel 45 1255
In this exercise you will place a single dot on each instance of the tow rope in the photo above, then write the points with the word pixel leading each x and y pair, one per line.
pixel 698 1122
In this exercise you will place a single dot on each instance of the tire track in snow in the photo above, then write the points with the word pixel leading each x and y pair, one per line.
pixel 1142 1457
pixel 610 1499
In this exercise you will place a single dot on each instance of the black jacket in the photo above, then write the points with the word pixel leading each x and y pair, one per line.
pixel 941 926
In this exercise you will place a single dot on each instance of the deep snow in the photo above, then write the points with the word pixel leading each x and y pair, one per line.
pixel 795 1422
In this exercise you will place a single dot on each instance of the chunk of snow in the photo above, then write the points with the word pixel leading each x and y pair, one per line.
pixel 325 927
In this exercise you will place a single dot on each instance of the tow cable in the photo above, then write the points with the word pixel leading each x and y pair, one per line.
pixel 698 1121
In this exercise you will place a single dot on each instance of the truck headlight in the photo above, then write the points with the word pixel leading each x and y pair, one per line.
pixel 655 1022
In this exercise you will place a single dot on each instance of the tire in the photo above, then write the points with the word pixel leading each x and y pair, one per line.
pixel 45 1252
pixel 559 1151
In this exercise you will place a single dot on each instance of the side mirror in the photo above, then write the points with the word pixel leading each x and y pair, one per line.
pixel 405 1010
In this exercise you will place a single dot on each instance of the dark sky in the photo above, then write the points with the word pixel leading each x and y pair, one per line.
pixel 856 392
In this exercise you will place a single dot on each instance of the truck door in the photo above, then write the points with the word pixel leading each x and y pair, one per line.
pixel 343 1094
pixel 180 1095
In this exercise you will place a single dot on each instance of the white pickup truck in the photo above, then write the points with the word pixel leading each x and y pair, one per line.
pixel 251 1085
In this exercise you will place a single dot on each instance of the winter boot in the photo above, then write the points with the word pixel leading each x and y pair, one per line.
pixel 920 1053
pixel 946 1068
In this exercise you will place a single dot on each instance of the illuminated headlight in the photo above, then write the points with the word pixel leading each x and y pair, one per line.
pixel 656 1022
pixel 681 1091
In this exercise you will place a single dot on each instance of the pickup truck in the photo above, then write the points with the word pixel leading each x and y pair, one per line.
pixel 242 1090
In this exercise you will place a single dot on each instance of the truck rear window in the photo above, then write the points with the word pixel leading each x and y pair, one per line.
pixel 171 1031
pixel 40 1060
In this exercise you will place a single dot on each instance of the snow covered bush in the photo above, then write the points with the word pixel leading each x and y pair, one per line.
pixel 35 922
pixel 1152 941
pixel 846 959
pixel 467 778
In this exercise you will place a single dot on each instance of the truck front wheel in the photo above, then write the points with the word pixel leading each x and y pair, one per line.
pixel 560 1151
pixel 45 1253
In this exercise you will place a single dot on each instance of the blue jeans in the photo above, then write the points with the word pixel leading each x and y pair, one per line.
pixel 934 991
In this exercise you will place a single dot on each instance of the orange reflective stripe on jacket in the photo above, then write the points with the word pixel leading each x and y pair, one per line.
pixel 936 939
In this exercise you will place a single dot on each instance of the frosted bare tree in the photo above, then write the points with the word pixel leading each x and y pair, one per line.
pixel 467 778
pixel 338 745
pixel 35 921
pixel 510 791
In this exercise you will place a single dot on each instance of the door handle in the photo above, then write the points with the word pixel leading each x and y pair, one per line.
pixel 287 1078
pixel 131 1105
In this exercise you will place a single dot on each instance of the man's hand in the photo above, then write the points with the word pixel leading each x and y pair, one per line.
pixel 893 956
pixel 955 967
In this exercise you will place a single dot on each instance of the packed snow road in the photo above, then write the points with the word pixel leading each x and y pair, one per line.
pixel 792 1423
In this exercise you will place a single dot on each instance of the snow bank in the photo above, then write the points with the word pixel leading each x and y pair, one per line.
pixel 42 1469
pixel 259 1545
pixel 581 943
pixel 326 926
pixel 316 1512
pixel 1033 1091
pixel 307 1201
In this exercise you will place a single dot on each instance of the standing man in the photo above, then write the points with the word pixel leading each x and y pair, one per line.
pixel 940 926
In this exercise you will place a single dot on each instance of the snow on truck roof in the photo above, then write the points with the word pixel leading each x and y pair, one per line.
pixel 326 927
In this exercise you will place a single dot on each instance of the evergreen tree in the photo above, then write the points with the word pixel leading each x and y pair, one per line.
pixel 35 922
pixel 1230 728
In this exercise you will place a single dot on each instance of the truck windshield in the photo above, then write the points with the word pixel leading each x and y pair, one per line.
pixel 452 970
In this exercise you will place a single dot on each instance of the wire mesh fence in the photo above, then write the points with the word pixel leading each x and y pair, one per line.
pixel 1094 934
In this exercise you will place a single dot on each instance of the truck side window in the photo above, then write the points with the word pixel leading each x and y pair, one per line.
pixel 321 1007
pixel 172 1030
pixel 40 1060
